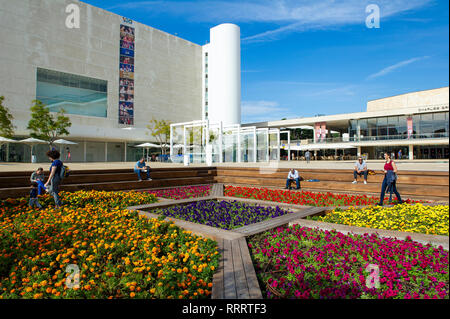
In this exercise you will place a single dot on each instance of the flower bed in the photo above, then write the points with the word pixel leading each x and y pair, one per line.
pixel 182 192
pixel 119 253
pixel 222 214
pixel 409 218
pixel 296 262
pixel 301 197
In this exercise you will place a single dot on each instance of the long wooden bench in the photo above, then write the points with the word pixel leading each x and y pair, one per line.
pixel 405 177
pixel 415 184
pixel 18 183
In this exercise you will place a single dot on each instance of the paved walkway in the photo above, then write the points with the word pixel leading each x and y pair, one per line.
pixel 418 165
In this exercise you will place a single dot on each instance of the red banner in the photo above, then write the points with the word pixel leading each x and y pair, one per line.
pixel 409 124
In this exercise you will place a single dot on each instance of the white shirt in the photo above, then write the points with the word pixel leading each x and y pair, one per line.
pixel 293 175
pixel 361 166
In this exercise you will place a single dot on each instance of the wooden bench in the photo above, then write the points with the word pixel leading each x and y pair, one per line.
pixel 411 183
pixel 17 184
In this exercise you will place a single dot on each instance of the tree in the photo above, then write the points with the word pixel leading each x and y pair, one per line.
pixel 46 126
pixel 160 129
pixel 6 118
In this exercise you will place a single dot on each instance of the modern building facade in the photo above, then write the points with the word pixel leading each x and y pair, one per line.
pixel 416 124
pixel 110 74
pixel 408 126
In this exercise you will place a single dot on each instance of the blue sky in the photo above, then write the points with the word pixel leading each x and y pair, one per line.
pixel 306 57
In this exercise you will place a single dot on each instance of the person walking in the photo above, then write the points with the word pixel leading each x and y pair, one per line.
pixel 390 179
pixel 307 156
pixel 54 179
pixel 68 155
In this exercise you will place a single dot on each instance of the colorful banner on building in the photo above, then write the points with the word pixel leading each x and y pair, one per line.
pixel 320 131
pixel 126 77
pixel 323 131
pixel 409 124
pixel 316 132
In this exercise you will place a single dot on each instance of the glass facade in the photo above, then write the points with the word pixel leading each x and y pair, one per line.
pixel 429 125
pixel 431 152
pixel 75 94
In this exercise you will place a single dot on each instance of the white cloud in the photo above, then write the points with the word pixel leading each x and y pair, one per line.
pixel 348 90
pixel 259 111
pixel 393 67
pixel 286 15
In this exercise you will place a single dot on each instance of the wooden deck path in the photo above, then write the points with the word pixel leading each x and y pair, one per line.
pixel 235 277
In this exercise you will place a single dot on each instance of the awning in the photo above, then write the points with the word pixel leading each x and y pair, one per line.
pixel 329 146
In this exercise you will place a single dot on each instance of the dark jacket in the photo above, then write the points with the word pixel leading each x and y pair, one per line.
pixel 391 177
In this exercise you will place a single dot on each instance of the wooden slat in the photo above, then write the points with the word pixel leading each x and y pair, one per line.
pixel 228 276
pixel 250 274
pixel 239 273
pixel 218 290
pixel 276 222
pixel 217 189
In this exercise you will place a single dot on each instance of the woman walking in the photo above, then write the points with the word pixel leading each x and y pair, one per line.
pixel 54 179
pixel 390 179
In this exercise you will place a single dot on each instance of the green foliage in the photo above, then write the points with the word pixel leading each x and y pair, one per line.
pixel 46 126
pixel 6 118
pixel 160 129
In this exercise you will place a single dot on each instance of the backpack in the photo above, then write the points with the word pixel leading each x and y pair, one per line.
pixel 65 172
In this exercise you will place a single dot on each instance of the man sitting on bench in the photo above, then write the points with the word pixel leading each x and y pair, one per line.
pixel 141 167
pixel 293 176
pixel 361 170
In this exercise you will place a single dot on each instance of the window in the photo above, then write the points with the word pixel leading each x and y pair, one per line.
pixel 75 94
pixel 372 127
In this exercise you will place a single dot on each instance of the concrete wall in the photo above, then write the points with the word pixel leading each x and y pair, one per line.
pixel 168 70
pixel 409 100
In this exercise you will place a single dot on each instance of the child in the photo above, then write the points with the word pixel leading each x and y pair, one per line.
pixel 38 177
pixel 33 196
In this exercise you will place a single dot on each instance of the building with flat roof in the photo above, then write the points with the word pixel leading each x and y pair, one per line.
pixel 110 74
pixel 415 123
pixel 407 126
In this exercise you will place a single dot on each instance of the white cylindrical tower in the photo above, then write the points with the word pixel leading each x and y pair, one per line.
pixel 224 74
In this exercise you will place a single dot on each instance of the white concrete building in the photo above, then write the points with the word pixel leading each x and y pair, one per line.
pixel 111 75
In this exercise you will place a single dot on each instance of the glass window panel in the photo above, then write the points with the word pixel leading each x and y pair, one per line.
pixel 363 123
pixel 392 119
pixel 73 93
pixel 381 121
pixel 392 131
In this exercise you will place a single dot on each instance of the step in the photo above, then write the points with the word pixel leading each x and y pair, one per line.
pixel 114 186
pixel 340 177
pixel 407 189
pixel 104 177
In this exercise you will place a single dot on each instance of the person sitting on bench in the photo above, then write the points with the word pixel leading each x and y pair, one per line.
pixel 141 167
pixel 293 176
pixel 361 170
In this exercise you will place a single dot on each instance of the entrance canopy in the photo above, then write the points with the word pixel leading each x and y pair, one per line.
pixel 314 147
